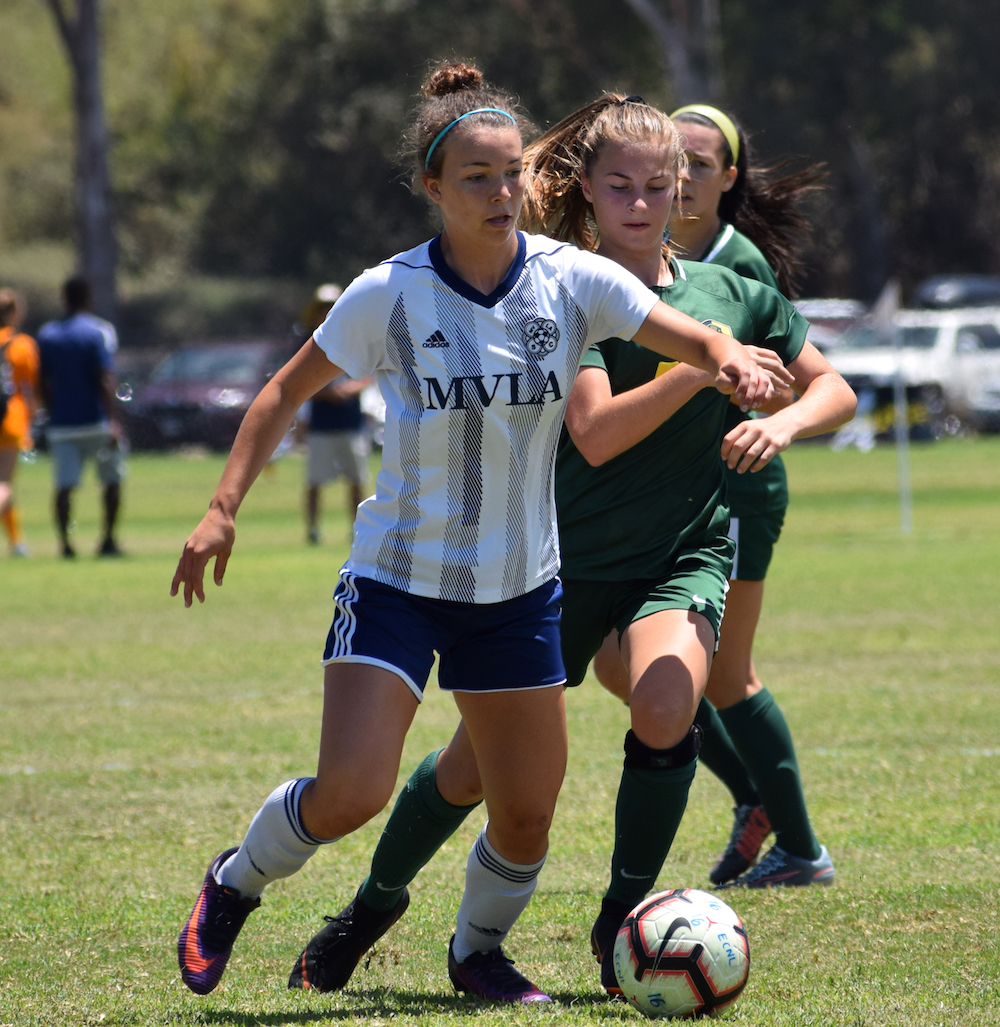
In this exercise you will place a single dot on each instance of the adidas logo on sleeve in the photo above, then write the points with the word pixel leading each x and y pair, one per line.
pixel 436 340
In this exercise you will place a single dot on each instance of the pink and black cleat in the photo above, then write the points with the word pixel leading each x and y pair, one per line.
pixel 491 975
pixel 206 942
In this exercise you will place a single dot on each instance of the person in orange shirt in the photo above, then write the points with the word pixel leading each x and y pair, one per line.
pixel 18 389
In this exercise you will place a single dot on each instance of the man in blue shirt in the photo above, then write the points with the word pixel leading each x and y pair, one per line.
pixel 337 438
pixel 78 390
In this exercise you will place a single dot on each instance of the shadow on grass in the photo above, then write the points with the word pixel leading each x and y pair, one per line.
pixel 366 1004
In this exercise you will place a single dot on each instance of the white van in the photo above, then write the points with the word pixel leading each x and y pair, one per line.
pixel 950 361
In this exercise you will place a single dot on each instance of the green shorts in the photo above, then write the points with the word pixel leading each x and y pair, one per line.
pixel 697 581
pixel 754 537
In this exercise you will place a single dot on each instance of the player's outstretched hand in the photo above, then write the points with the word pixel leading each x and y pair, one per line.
pixel 214 536
pixel 754 443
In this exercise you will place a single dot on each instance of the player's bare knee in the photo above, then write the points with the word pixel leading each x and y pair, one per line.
pixel 331 812
pixel 521 835
pixel 659 718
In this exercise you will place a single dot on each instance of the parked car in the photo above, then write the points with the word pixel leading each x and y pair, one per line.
pixel 950 361
pixel 199 394
pixel 946 292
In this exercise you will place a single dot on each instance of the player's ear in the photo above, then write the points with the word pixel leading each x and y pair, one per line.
pixel 729 178
pixel 585 188
pixel 432 186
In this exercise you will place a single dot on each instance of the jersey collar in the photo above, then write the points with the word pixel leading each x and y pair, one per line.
pixel 463 288
pixel 720 243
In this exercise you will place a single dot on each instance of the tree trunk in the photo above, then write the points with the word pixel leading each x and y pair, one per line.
pixel 691 46
pixel 869 228
pixel 97 251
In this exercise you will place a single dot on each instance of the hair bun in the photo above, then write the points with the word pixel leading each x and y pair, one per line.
pixel 453 77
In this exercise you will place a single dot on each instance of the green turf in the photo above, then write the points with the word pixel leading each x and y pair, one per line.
pixel 137 738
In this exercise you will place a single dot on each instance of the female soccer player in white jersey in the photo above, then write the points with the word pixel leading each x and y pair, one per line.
pixel 475 338
pixel 746 218
pixel 642 516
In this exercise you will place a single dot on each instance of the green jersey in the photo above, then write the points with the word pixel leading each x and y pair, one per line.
pixel 765 490
pixel 734 250
pixel 629 517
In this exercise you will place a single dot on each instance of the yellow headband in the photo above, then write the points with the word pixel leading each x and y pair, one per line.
pixel 723 123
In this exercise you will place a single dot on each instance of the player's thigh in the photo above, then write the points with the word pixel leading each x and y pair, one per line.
pixel 519 738
pixel 732 679
pixel 609 667
pixel 669 654
pixel 367 711
pixel 378 654
pixel 670 632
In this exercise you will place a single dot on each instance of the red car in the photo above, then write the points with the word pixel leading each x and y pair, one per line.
pixel 199 394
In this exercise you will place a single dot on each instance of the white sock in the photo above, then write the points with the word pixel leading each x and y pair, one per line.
pixel 496 893
pixel 276 844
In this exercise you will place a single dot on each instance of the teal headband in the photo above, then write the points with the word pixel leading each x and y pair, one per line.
pixel 468 114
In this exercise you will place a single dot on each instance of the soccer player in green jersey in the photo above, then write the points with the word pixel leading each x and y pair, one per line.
pixel 643 519
pixel 642 514
pixel 733 214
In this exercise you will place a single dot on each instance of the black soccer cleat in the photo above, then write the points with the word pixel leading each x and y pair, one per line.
pixel 602 943
pixel 327 962
pixel 491 976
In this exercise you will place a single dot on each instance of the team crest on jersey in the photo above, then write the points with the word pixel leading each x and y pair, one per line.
pixel 719 327
pixel 541 336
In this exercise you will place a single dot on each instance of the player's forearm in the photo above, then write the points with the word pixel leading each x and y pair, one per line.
pixel 264 425
pixel 826 404
pixel 674 334
pixel 604 430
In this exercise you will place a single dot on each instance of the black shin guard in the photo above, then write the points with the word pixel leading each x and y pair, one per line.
pixel 639 756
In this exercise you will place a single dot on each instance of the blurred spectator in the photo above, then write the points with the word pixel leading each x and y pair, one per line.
pixel 338 443
pixel 18 401
pixel 78 390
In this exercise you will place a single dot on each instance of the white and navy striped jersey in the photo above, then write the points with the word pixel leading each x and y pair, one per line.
pixel 475 389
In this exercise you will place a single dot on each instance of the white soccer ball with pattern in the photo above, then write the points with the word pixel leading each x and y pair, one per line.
pixel 682 953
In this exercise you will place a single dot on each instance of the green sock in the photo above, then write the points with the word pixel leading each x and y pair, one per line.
pixel 650 806
pixel 719 755
pixel 760 734
pixel 420 823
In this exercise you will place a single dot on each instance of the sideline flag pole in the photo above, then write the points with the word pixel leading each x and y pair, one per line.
pixel 884 317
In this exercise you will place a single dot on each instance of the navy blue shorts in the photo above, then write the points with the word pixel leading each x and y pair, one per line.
pixel 482 647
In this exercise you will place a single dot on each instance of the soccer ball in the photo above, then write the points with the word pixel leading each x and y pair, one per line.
pixel 682 953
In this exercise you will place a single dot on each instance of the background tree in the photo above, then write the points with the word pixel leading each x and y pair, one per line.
pixel 95 221
pixel 688 34
pixel 253 141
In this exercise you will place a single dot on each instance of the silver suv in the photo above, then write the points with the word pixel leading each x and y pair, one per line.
pixel 950 361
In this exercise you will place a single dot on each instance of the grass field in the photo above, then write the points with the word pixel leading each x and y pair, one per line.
pixel 137 738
